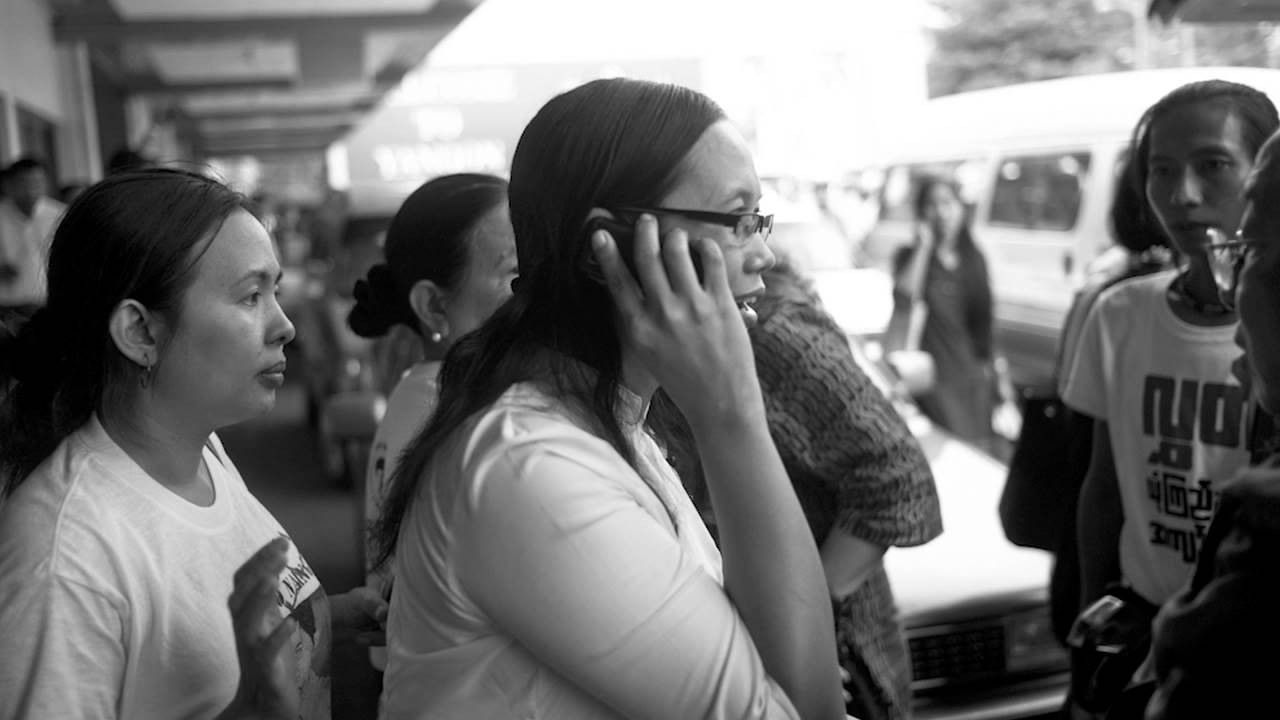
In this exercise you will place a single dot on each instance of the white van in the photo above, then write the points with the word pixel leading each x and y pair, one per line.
pixel 1038 163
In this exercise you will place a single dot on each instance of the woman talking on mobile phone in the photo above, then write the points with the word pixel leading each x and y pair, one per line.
pixel 943 306
pixel 548 562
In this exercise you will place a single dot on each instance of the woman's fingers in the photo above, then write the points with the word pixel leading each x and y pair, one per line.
pixel 259 607
pixel 621 283
pixel 262 636
pixel 677 261
pixel 715 278
pixel 370 608
pixel 275 642
pixel 650 268
pixel 267 562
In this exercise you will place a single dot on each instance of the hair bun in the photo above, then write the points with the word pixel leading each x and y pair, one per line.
pixel 380 305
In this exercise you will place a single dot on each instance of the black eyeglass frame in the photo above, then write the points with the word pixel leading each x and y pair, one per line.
pixel 763 223
pixel 1226 270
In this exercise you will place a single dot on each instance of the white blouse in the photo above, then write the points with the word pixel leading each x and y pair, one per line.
pixel 540 576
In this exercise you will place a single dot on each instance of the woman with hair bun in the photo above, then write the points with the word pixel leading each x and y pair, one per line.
pixel 126 531
pixel 450 259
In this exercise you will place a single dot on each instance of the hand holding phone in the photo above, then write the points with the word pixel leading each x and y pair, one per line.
pixel 622 228
pixel 688 333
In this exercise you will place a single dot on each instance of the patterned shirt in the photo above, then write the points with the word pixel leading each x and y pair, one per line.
pixel 854 464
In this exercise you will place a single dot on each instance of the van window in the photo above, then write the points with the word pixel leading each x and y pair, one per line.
pixel 901 183
pixel 1039 192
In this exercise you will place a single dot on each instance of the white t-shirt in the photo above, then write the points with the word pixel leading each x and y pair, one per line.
pixel 539 576
pixel 1177 420
pixel 113 591
pixel 411 403
pixel 24 245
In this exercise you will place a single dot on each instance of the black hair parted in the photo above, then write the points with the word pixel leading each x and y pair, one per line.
pixel 607 143
pixel 1255 111
pixel 428 239
pixel 135 235
pixel 925 185
pixel 1132 226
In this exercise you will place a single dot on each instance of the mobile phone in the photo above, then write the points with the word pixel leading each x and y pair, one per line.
pixel 622 228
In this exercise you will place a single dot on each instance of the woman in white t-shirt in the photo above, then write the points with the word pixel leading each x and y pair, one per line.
pixel 548 563
pixel 450 259
pixel 126 531
pixel 1153 361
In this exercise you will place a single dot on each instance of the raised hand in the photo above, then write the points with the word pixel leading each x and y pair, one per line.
pixel 690 335
pixel 267 690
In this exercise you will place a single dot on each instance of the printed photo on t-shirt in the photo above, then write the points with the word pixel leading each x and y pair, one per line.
pixel 300 596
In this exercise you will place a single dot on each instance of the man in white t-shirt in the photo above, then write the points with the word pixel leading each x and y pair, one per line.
pixel 1175 419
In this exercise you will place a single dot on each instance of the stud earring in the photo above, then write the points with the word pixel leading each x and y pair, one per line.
pixel 436 337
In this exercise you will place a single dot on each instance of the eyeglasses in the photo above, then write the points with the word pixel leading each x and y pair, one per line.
pixel 1226 260
pixel 744 224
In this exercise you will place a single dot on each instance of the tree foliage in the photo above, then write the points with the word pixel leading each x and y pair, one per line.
pixel 986 43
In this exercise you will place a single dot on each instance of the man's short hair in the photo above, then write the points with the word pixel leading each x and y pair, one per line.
pixel 24 164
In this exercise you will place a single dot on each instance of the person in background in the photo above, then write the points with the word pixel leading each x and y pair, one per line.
pixel 127 532
pixel 862 479
pixel 70 191
pixel 126 159
pixel 943 278
pixel 1152 365
pixel 548 562
pixel 450 259
pixel 1212 639
pixel 28 217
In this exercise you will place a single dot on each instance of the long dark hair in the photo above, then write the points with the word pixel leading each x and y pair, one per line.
pixel 1254 110
pixel 135 235
pixel 427 240
pixel 608 143
pixel 1132 226
pixel 920 203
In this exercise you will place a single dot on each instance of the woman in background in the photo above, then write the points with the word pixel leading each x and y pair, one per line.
pixel 943 279
pixel 450 259
pixel 862 479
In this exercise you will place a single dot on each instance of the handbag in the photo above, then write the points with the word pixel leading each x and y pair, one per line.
pixel 1051 455
pixel 1050 458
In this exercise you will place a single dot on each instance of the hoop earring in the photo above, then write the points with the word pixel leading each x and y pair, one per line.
pixel 145 380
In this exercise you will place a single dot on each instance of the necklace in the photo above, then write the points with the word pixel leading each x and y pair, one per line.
pixel 1178 291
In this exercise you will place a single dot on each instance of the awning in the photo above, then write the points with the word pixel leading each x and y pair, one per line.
pixel 254 76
